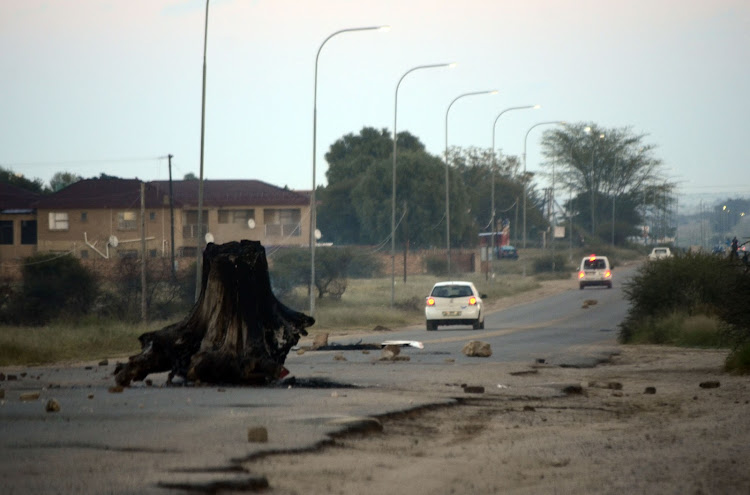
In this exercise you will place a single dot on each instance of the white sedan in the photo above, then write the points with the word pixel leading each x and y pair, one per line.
pixel 454 303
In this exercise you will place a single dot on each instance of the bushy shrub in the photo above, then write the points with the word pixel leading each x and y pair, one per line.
pixel 690 283
pixel 436 264
pixel 551 263
pixel 291 269
pixel 53 286
pixel 364 264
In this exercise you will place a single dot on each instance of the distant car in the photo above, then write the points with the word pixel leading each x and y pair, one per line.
pixel 595 270
pixel 508 252
pixel 454 303
pixel 660 252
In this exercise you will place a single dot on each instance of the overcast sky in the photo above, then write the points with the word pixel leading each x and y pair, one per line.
pixel 91 86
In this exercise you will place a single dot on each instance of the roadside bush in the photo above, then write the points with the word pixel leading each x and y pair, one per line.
pixel 364 264
pixel 679 329
pixel 53 286
pixel 551 263
pixel 436 265
pixel 291 269
pixel 691 284
pixel 738 360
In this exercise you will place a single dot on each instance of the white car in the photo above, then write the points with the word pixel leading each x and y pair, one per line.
pixel 595 270
pixel 454 303
pixel 660 252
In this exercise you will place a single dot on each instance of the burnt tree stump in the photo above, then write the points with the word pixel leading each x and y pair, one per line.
pixel 237 332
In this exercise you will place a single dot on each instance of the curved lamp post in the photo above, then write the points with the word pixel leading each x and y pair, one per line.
pixel 552 122
pixel 314 149
pixel 494 166
pixel 447 186
pixel 393 190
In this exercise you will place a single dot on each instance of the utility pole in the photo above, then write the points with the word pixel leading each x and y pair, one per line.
pixel 171 220
pixel 143 251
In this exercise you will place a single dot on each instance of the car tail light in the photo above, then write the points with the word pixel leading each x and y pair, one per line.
pixel 581 274
pixel 607 274
pixel 430 301
pixel 472 301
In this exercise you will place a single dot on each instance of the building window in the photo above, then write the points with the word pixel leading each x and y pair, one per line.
pixel 190 228
pixel 28 232
pixel 84 217
pixel 282 222
pixel 84 254
pixel 152 215
pixel 58 221
pixel 239 217
pixel 152 253
pixel 127 220
pixel 6 231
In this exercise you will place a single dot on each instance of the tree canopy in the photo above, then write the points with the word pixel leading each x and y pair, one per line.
pixel 62 180
pixel 18 180
pixel 609 171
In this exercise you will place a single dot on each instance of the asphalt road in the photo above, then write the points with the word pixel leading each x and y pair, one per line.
pixel 157 439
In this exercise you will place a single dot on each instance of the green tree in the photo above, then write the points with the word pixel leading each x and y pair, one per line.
pixel 601 166
pixel 18 180
pixel 190 176
pixel 62 180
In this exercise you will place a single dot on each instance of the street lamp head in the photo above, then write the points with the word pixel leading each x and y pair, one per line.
pixel 453 65
pixel 536 107
pixel 383 28
pixel 494 92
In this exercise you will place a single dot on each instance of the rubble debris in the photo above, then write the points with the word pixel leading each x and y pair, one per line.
pixel 710 384
pixel 29 396
pixel 473 389
pixel 320 340
pixel 476 348
pixel 116 389
pixel 52 406
pixel 104 362
pixel 650 390
pixel 404 343
pixel 257 434
pixel 380 328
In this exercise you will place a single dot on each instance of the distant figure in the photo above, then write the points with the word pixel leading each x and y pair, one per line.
pixel 733 252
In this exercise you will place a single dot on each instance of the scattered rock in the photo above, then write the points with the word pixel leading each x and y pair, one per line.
pixel 524 372
pixel 560 462
pixel 450 360
pixel 380 328
pixel 320 340
pixel 650 390
pixel 541 361
pixel 710 384
pixel 115 389
pixel 88 367
pixel 91 396
pixel 573 390
pixel 300 351
pixel 393 349
pixel 257 434
pixel 401 358
pixel 339 356
pixel 149 382
pixel 590 302
pixel 529 408
pixel 23 375
pixel 476 348
pixel 617 393
pixel 12 377
pixel 29 396
pixel 52 406
pixel 614 386
pixel 104 362
pixel 474 389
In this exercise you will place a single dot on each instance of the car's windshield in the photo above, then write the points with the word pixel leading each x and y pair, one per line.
pixel 451 291
pixel 597 264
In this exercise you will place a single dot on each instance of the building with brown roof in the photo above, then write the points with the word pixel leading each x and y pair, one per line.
pixel 101 218
pixel 17 222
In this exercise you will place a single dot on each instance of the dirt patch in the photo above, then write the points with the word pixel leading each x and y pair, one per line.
pixel 642 424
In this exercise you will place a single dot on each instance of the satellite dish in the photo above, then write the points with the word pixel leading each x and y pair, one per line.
pixel 318 235
pixel 251 223
pixel 209 237
pixel 113 241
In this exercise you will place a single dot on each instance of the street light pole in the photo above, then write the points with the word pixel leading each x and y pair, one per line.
pixel 393 189
pixel 199 241
pixel 494 167
pixel 313 212
pixel 447 186
pixel 525 139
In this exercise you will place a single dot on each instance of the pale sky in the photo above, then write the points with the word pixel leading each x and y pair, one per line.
pixel 91 86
